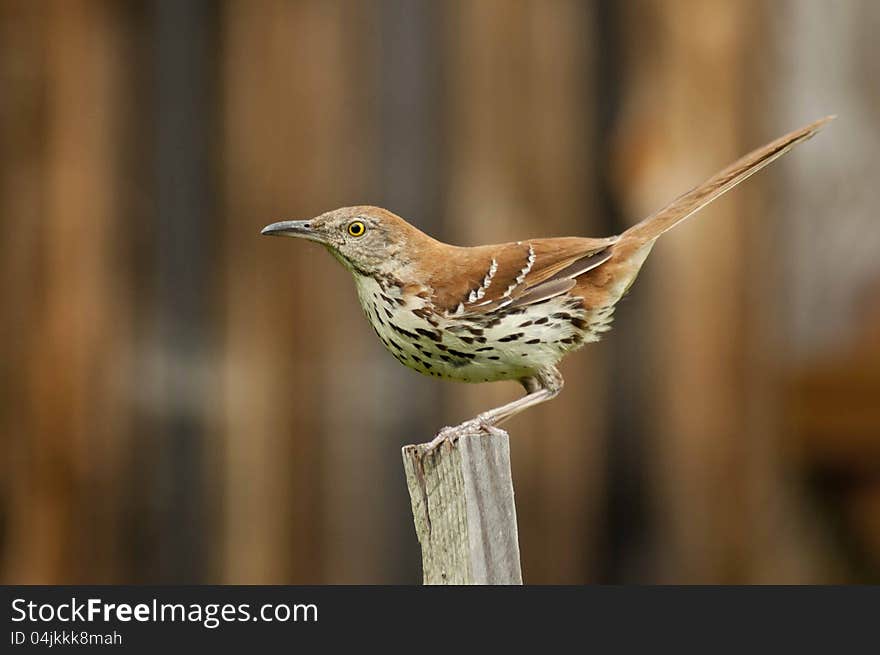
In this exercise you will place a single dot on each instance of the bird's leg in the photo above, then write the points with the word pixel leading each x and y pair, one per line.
pixel 540 388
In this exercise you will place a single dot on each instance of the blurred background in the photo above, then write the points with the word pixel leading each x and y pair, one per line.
pixel 182 400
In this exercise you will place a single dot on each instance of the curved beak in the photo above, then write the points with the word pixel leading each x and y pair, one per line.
pixel 301 229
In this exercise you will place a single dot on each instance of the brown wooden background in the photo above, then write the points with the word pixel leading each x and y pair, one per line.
pixel 183 401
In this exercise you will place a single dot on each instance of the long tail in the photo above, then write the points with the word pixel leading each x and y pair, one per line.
pixel 698 197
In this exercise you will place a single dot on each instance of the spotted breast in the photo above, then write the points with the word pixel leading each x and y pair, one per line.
pixel 520 312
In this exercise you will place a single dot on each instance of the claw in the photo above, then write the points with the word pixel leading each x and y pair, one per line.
pixel 490 428
pixel 451 433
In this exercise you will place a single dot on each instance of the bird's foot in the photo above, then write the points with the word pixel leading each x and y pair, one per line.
pixel 452 433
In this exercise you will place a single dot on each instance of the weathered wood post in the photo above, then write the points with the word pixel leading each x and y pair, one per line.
pixel 463 508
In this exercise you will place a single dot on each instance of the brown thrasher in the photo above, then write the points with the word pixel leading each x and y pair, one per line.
pixel 502 312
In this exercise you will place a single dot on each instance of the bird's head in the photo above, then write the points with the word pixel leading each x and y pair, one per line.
pixel 367 240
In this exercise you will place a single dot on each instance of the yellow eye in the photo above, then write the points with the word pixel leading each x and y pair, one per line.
pixel 356 228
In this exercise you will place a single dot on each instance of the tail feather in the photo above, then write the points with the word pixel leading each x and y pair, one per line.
pixel 698 197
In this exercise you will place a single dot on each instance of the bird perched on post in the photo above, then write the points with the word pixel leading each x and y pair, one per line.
pixel 509 311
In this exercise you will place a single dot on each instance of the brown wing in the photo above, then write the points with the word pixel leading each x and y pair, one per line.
pixel 480 280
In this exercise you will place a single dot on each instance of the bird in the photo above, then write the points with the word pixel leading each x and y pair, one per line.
pixel 509 311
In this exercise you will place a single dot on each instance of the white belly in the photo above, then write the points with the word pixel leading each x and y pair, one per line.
pixel 484 348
